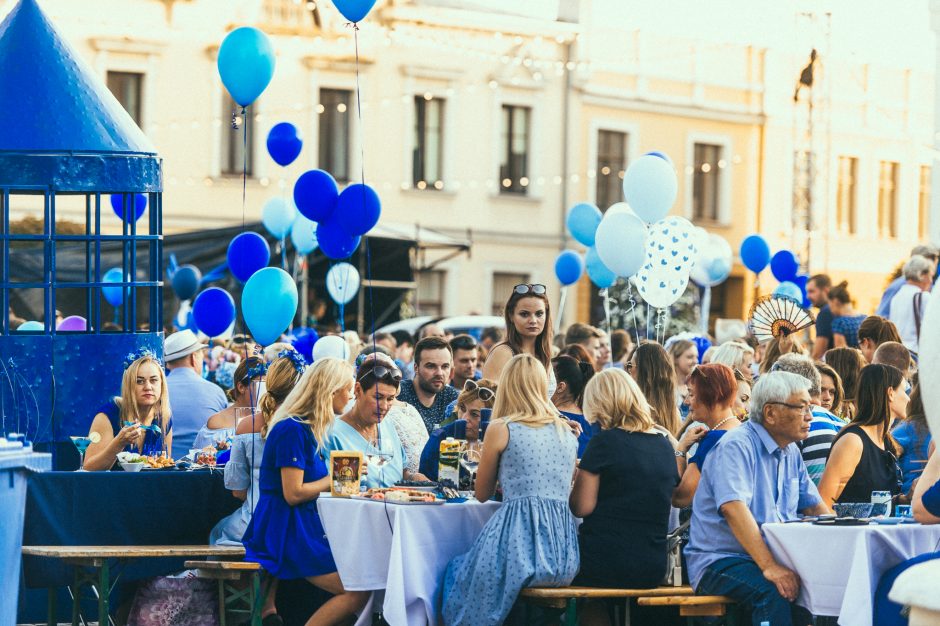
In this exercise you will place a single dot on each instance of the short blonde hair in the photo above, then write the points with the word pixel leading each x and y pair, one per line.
pixel 311 399
pixel 612 399
pixel 522 394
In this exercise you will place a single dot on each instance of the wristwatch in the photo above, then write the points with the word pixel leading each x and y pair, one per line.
pixel 681 454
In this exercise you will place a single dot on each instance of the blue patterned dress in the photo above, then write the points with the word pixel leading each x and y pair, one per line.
pixel 531 541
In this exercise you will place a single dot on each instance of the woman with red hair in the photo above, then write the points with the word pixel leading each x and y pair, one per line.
pixel 712 392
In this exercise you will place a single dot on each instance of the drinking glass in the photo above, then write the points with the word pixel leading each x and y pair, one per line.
pixel 470 459
pixel 81 444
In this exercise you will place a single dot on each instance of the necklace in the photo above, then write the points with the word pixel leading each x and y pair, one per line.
pixel 364 431
pixel 727 419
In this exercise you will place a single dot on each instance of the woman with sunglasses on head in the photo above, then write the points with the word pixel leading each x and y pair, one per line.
pixel 285 535
pixel 863 457
pixel 248 389
pixel 364 427
pixel 528 316
pixel 572 376
pixel 476 396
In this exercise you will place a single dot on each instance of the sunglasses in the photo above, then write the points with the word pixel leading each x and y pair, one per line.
pixel 523 288
pixel 485 393
pixel 382 373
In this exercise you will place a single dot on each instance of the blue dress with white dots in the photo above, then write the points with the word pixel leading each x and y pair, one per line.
pixel 531 541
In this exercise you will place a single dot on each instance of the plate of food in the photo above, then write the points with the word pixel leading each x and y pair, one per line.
pixel 158 463
pixel 130 462
pixel 399 496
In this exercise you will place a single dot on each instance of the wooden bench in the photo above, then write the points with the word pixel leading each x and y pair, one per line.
pixel 100 559
pixel 695 606
pixel 684 597
pixel 240 589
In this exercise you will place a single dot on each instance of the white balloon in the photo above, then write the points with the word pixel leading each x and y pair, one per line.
pixel 714 261
pixel 619 207
pixel 330 346
pixel 620 241
pixel 303 234
pixel 342 282
pixel 670 255
pixel 928 362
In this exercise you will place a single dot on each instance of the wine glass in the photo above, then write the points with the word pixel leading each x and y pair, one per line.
pixel 470 460
pixel 81 444
pixel 377 460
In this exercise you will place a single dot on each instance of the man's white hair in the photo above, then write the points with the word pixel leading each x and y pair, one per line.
pixel 774 387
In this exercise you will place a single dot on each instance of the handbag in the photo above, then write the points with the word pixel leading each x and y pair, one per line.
pixel 165 601
pixel 673 577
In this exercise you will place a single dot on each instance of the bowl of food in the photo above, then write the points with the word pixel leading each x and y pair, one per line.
pixel 130 462
pixel 858 510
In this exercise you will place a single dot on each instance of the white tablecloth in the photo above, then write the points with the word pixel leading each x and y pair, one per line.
pixel 839 566
pixel 403 549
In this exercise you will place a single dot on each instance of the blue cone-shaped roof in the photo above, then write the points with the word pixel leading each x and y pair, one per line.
pixel 51 100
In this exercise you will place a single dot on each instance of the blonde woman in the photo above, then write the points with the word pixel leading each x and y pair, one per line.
pixel 285 534
pixel 736 355
pixel 622 489
pixel 138 420
pixel 532 540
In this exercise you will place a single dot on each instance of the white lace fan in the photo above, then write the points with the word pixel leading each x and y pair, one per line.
pixel 776 316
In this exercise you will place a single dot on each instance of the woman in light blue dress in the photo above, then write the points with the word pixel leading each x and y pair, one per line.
pixel 219 429
pixel 532 541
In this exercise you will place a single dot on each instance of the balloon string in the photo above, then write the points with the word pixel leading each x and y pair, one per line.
pixel 636 324
pixel 362 174
pixel 244 164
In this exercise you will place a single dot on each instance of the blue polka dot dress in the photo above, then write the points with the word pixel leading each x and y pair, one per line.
pixel 531 541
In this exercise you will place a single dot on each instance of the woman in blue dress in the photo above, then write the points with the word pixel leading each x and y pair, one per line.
pixel 138 420
pixel 532 540
pixel 285 534
pixel 572 376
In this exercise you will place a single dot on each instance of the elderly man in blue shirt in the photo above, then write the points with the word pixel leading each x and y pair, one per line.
pixel 755 475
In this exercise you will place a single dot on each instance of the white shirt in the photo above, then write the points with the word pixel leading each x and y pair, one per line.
pixel 902 313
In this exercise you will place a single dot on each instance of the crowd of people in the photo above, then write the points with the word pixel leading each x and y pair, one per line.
pixel 633 440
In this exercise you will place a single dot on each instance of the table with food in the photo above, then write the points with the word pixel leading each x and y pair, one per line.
pixel 840 560
pixel 399 540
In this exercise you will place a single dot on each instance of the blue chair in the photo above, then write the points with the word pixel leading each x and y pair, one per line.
pixel 888 613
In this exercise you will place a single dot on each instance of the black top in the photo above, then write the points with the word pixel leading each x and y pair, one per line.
pixel 877 470
pixel 623 542
pixel 824 325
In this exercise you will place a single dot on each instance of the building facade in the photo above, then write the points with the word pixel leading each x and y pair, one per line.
pixel 487 123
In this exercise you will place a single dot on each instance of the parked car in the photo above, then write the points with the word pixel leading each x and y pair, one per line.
pixel 470 324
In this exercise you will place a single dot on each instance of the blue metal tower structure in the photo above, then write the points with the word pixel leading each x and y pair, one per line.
pixel 66 140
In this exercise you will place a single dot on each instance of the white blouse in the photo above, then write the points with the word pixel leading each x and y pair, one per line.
pixel 411 430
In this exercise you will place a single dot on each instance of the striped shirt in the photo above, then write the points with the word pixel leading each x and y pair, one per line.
pixel 815 448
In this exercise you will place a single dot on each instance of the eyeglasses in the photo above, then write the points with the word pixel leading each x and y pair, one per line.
pixel 523 288
pixel 485 393
pixel 382 373
pixel 805 409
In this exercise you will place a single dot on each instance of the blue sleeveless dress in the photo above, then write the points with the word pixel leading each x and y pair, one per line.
pixel 531 541
pixel 288 541
pixel 154 442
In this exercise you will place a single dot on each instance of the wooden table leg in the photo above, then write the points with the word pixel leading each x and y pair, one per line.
pixel 104 594
pixel 76 595
pixel 52 612
pixel 256 598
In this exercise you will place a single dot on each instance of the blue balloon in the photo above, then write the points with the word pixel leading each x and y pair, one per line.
pixel 246 64
pixel 303 338
pixel 568 267
pixel 599 273
pixel 354 10
pixel 702 344
pixel 784 266
pixel 186 281
pixel 358 209
pixel 755 253
pixel 213 311
pixel 278 216
pixel 316 194
pixel 31 325
pixel 114 295
pixel 583 220
pixel 335 242
pixel 304 235
pixel 284 143
pixel 247 254
pixel 139 201
pixel 650 187
pixel 269 303
pixel 661 155
pixel 788 290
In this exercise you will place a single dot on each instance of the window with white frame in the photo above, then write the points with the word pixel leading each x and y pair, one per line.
pixel 846 195
pixel 128 88
pixel 514 149
pixel 427 153
pixel 234 157
pixel 706 181
pixel 334 112
pixel 430 292
pixel 611 164
pixel 503 282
